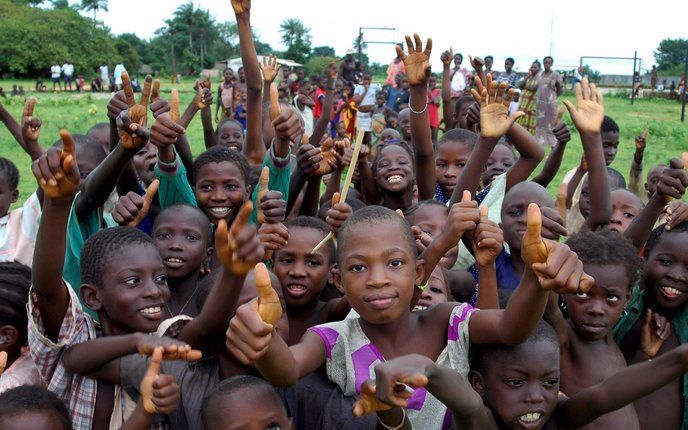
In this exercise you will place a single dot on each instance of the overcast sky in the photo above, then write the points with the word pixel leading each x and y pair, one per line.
pixel 523 30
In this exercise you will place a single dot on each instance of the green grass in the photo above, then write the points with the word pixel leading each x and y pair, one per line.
pixel 77 113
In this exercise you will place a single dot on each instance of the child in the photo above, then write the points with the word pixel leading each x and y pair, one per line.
pixel 427 217
pixel 516 387
pixel 499 162
pixel 664 291
pixel 304 275
pixel 33 407
pixel 15 280
pixel 433 107
pixel 240 108
pixel 225 96
pixel 378 269
pixel 436 291
pixel 588 352
pixel 401 101
pixel 304 106
pixel 625 207
pixel 245 402
pixel 230 134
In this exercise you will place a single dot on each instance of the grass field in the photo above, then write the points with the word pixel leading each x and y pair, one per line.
pixel 77 113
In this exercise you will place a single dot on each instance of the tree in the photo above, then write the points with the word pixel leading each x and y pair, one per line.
pixel 670 53
pixel 60 4
pixel 297 38
pixel 318 65
pixel 95 6
pixel 323 51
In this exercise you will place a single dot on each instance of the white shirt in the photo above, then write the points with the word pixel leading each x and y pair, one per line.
pixel 55 71
pixel 68 69
pixel 369 98
pixel 104 73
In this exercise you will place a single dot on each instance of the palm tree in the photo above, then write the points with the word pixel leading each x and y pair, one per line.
pixel 95 6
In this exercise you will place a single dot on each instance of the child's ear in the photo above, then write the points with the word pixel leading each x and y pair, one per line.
pixel 15 196
pixel 249 188
pixel 420 271
pixel 336 277
pixel 8 336
pixel 91 297
pixel 477 382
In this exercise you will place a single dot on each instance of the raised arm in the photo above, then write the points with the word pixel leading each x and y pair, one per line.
pixel 553 162
pixel 418 71
pixel 253 147
pixel 447 111
pixel 587 117
pixel 531 153
pixel 322 124
pixel 58 175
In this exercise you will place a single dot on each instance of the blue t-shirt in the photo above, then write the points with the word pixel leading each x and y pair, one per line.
pixel 507 278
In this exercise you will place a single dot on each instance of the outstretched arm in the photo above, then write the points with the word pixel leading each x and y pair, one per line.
pixel 553 162
pixel 531 153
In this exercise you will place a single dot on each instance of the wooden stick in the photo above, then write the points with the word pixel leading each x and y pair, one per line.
pixel 347 182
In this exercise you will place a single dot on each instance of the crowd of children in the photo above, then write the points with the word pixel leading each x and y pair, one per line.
pixel 445 289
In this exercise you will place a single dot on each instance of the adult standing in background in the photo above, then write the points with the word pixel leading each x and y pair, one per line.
pixel 119 69
pixel 528 100
pixel 347 70
pixel 395 67
pixel 55 72
pixel 508 75
pixel 104 76
pixel 68 71
pixel 460 78
pixel 549 89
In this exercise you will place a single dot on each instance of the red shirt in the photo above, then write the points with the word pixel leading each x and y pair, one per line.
pixel 319 97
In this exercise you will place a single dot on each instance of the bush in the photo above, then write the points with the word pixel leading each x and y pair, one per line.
pixel 318 65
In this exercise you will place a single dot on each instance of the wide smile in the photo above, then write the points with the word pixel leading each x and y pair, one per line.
pixel 531 420
pixel 219 212
pixel 174 262
pixel 395 178
pixel 154 313
pixel 671 293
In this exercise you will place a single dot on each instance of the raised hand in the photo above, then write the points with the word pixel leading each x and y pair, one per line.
pixel 329 160
pixel 239 247
pixel 171 349
pixel 641 140
pixel 159 393
pixel 56 170
pixel 562 132
pixel 241 6
pixel 262 191
pixel 269 68
pixel 447 57
pixel 338 213
pixel 269 306
pixel 204 94
pixel 174 105
pixel 368 402
pixel 273 236
pixel 274 110
pixel 655 330
pixel 488 240
pixel 31 126
pixel 131 134
pixel 308 159
pixel 165 131
pixel 676 213
pixel 418 61
pixel 117 104
pixel 673 181
pixel 588 114
pixel 463 216
pixel 158 105
pixel 146 201
pixel 494 100
pixel 137 111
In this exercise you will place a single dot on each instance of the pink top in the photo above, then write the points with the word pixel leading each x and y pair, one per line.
pixel 393 70
pixel 434 109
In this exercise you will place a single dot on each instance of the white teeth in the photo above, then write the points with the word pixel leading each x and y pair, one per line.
pixel 296 287
pixel 672 291
pixel 174 260
pixel 219 210
pixel 151 310
pixel 531 417
pixel 394 178
pixel 419 308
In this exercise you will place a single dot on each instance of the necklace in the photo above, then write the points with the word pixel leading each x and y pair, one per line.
pixel 181 311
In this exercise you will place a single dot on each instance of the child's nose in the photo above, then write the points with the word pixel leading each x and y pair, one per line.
pixel 175 246
pixel 535 393
pixel 595 308
pixel 377 277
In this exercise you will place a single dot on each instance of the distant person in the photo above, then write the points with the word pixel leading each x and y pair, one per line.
pixel 395 67
pixel 672 90
pixel 21 91
pixel 577 77
pixel 68 71
pixel 55 72
pixel 119 69
pixel 104 77
pixel 653 78
pixel 549 89
pixel 528 105
pixel 15 91
pixel 508 75
pixel 460 78
pixel 225 94
pixel 347 70
pixel 489 62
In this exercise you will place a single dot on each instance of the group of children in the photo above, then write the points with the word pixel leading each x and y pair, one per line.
pixel 458 292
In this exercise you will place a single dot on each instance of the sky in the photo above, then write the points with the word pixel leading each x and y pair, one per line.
pixel 524 31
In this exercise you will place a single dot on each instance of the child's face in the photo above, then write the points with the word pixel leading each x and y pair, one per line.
pixel 390 133
pixel 35 420
pixel 451 158
pixel 515 211
pixel 134 290
pixel 144 162
pixel 522 387
pixel 405 84
pixel 231 136
pixel 379 271
pixel 653 178
pixel 595 313
pixel 220 191
pixel 7 195
pixel 610 144
pixel 87 161
pixel 303 275
pixel 508 65
pixel 404 120
pixel 380 99
pixel 430 219
pixel 666 271
pixel 432 82
pixel 341 129
pixel 182 241
pixel 435 292
pixel 625 207
pixel 250 409
pixel 394 171
pixel 499 162
pixel 228 75
pixel 584 201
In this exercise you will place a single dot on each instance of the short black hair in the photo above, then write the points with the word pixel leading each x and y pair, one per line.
pixel 490 57
pixel 101 246
pixel 481 355
pixel 509 59
pixel 373 215
pixel 201 218
pixel 85 144
pixel 33 398
pixel 227 387
pixel 546 57
pixel 15 281
pixel 97 127
pixel 9 169
pixel 616 179
pixel 608 124
pixel 459 135
pixel 659 232
pixel 225 121
pixel 381 148
pixel 607 247
pixel 410 212
pixel 220 154
pixel 315 224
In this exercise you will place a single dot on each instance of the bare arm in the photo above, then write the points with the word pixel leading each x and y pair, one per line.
pixel 470 176
pixel 552 165
pixel 424 156
pixel 531 154
pixel 600 196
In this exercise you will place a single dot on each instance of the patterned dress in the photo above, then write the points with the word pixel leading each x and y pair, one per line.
pixel 546 108
pixel 351 360
pixel 528 104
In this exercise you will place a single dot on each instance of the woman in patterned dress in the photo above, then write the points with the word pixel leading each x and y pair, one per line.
pixel 529 87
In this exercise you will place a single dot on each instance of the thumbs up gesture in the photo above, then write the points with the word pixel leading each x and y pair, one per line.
pixel 239 247
pixel 159 393
pixel 56 170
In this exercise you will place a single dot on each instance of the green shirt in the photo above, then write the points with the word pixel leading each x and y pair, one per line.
pixel 636 310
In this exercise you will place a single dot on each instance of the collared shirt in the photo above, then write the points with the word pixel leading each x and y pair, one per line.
pixel 76 391
pixel 18 230
pixel 636 310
